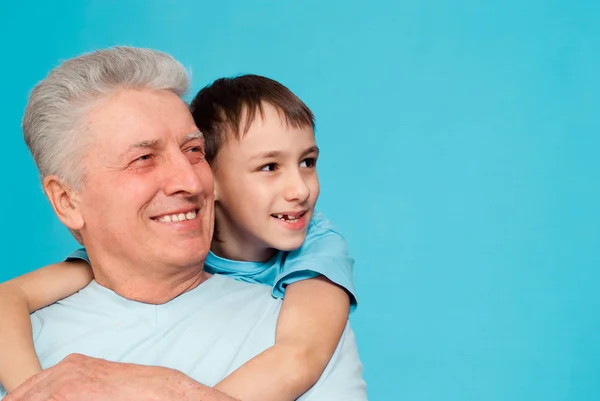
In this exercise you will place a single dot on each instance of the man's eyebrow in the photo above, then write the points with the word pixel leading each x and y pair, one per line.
pixel 144 144
pixel 197 134
pixel 154 143
pixel 148 143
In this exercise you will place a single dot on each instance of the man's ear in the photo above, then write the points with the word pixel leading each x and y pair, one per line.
pixel 216 190
pixel 65 202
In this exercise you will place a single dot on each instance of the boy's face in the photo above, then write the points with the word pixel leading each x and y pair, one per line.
pixel 266 187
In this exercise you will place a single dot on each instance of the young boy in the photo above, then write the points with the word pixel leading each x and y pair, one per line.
pixel 259 140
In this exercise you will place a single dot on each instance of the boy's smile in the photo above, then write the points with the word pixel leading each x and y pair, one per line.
pixel 292 220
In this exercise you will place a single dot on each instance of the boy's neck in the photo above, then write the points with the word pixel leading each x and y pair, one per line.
pixel 242 252
pixel 230 242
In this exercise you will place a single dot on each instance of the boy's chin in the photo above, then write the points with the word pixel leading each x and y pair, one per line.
pixel 288 245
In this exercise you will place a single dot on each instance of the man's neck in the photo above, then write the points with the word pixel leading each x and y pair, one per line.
pixel 151 285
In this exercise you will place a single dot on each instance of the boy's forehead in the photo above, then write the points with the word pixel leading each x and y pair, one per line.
pixel 259 115
pixel 280 138
pixel 265 119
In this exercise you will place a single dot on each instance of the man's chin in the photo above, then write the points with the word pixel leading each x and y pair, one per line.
pixel 194 260
pixel 185 254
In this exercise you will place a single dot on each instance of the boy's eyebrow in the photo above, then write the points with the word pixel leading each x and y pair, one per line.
pixel 312 149
pixel 274 153
pixel 266 155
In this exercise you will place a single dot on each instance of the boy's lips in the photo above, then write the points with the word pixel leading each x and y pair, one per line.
pixel 291 220
pixel 289 215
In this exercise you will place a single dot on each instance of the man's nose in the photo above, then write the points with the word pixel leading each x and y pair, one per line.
pixel 182 177
pixel 296 189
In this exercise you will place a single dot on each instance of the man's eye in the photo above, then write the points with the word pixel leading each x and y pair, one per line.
pixel 196 149
pixel 269 167
pixel 195 154
pixel 144 158
pixel 309 162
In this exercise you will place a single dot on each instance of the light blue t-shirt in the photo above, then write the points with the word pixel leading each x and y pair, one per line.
pixel 206 333
pixel 324 252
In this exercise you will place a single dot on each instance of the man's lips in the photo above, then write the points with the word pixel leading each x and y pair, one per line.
pixel 177 215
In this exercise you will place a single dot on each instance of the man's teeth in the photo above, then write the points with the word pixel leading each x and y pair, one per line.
pixel 178 217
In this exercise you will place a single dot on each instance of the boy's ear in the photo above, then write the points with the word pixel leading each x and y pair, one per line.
pixel 65 201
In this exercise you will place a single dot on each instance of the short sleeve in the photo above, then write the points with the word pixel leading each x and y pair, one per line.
pixel 324 252
pixel 78 254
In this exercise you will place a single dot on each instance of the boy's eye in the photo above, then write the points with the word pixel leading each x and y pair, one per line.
pixel 269 167
pixel 308 162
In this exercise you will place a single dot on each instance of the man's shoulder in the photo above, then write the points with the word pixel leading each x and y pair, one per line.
pixel 95 299
pixel 85 297
pixel 89 306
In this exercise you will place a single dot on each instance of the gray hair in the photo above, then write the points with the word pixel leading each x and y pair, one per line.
pixel 58 103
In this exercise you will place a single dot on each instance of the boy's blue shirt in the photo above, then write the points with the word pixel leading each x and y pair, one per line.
pixel 324 252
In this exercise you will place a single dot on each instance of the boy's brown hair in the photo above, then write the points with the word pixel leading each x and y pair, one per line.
pixel 226 108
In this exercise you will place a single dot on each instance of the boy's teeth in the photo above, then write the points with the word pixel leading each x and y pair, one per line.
pixel 178 217
pixel 286 217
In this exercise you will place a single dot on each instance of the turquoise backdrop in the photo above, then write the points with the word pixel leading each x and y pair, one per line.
pixel 460 156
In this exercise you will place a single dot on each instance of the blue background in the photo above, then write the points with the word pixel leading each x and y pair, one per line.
pixel 460 145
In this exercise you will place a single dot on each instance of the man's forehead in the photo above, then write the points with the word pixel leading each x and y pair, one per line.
pixel 140 113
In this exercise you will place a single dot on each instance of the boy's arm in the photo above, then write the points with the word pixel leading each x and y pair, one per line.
pixel 311 322
pixel 317 285
pixel 20 297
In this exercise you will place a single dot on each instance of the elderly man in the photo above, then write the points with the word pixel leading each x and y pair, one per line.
pixel 169 330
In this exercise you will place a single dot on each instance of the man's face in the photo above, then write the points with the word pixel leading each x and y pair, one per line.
pixel 147 199
pixel 267 186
